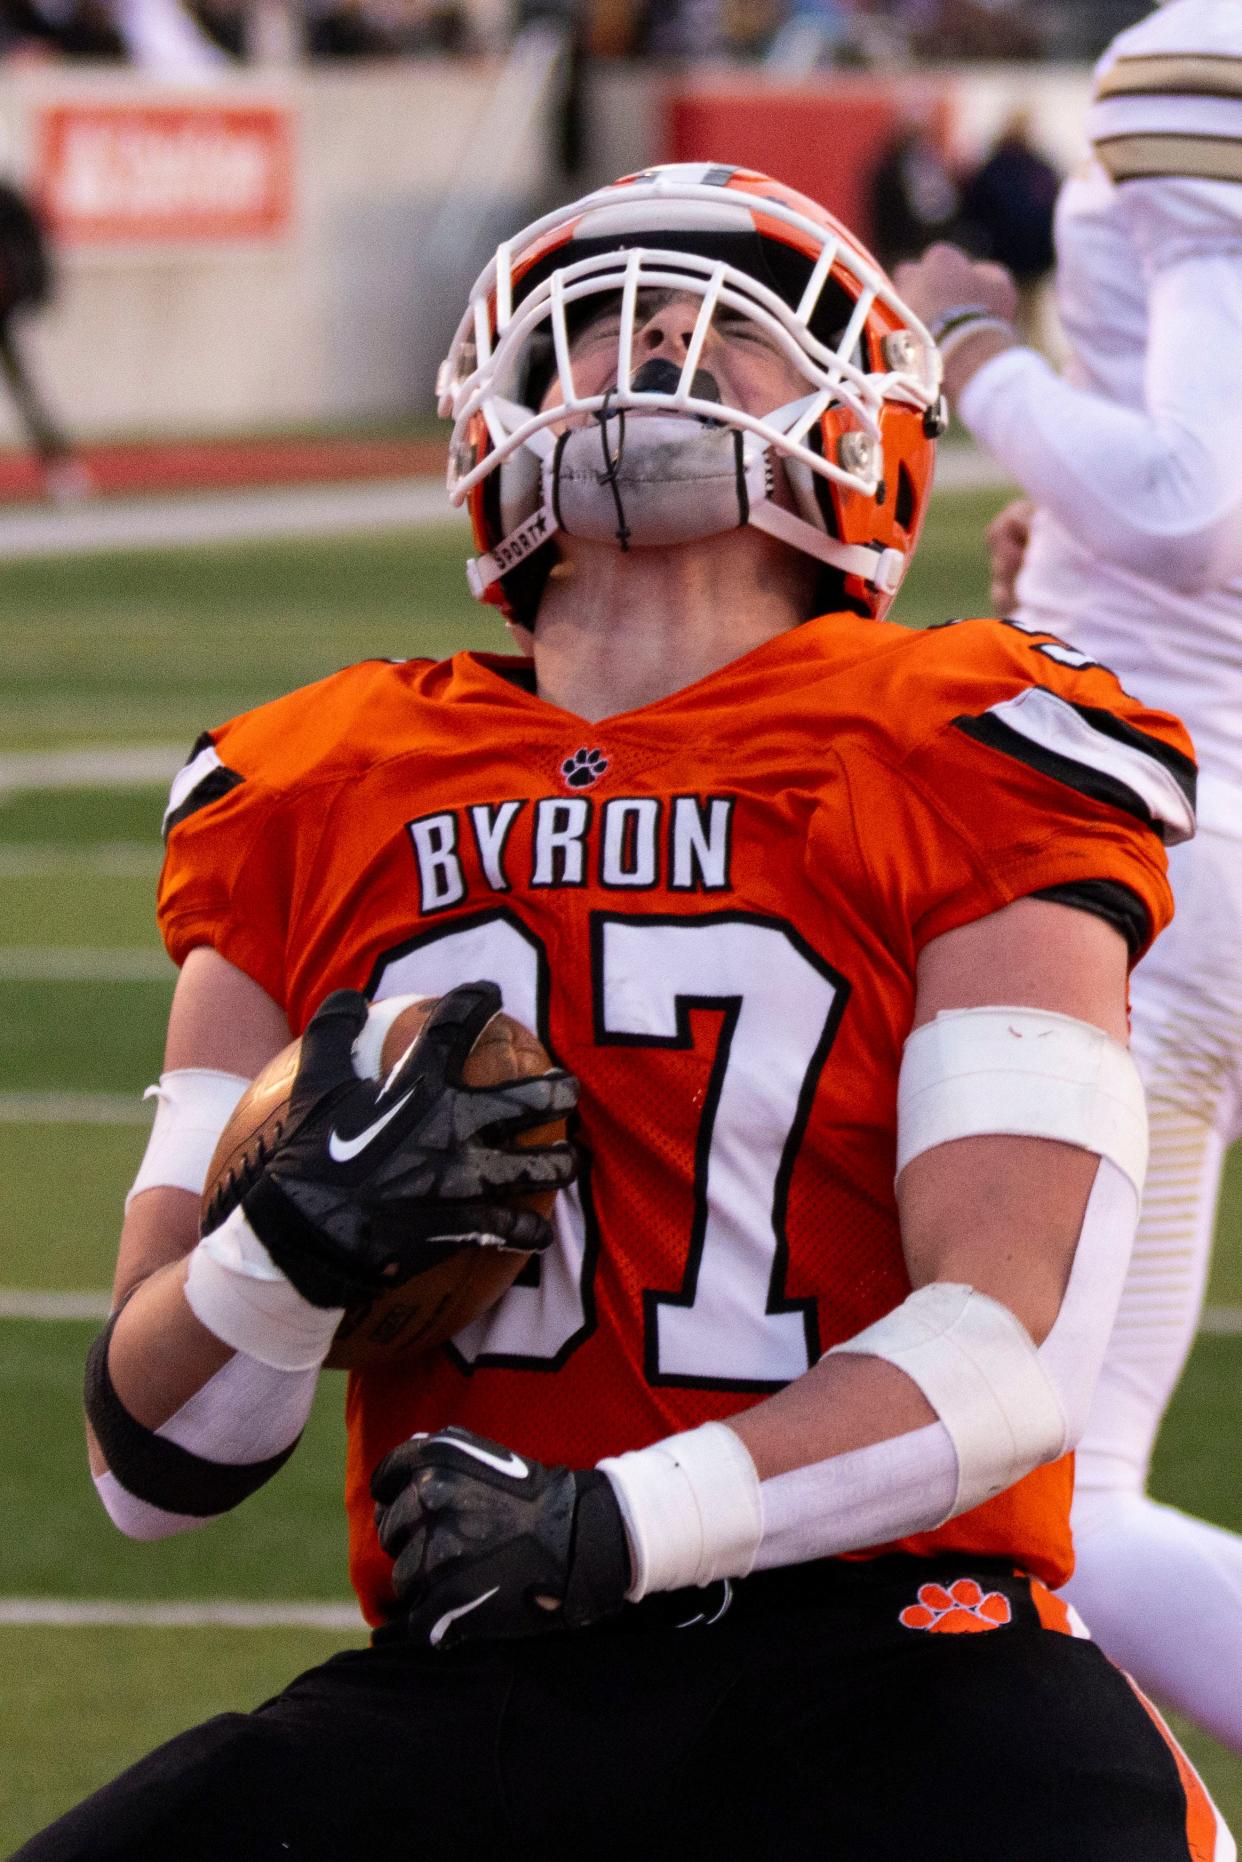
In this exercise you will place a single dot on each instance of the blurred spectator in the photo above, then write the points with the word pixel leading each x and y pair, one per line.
pixel 914 198
pixel 750 26
pixel 997 29
pixel 347 29
pixel 226 23
pixel 35 29
pixel 26 282
pixel 682 28
pixel 443 28
pixel 156 35
pixel 1008 206
pixel 612 28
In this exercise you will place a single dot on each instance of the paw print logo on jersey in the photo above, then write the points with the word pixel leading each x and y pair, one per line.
pixel 583 768
pixel 961 1610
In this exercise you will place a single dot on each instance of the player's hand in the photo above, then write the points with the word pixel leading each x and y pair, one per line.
pixel 944 279
pixel 1007 537
pixel 371 1176
pixel 488 1543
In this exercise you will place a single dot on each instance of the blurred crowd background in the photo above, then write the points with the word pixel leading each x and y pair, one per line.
pixel 793 36
pixel 224 217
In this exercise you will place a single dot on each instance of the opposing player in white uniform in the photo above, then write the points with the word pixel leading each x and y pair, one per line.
pixel 1132 462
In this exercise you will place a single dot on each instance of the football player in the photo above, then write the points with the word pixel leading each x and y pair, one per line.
pixel 1134 519
pixel 734 1528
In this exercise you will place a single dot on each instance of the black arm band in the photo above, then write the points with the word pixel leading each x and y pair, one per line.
pixel 156 1470
pixel 1108 899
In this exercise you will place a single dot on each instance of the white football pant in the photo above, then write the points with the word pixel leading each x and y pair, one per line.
pixel 1160 1591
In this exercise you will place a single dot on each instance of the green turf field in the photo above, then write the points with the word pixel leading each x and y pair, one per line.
pixel 122 650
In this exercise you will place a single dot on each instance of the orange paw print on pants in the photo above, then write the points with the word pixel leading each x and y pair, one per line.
pixel 961 1610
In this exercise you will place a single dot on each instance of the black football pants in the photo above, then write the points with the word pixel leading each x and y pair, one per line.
pixel 900 1710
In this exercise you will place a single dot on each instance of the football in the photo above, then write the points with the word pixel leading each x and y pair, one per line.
pixel 429 1307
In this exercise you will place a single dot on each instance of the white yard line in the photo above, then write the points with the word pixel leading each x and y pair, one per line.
pixel 21 1303
pixel 965 468
pixel 296 511
pixel 42 963
pixel 226 517
pixel 17 1303
pixel 1222 1321
pixel 125 766
pixel 68 1613
pixel 121 859
pixel 74 1109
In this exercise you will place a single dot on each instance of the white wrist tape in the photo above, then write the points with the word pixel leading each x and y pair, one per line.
pixel 1021 1073
pixel 691 1507
pixel 962 332
pixel 193 1106
pixel 978 1367
pixel 236 1290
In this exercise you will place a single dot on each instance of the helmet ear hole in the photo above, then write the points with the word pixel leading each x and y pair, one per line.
pixel 523 586
pixel 903 508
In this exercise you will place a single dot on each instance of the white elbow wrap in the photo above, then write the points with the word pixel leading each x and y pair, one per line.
pixel 227 1439
pixel 193 1106
pixel 1025 1073
pixel 978 1367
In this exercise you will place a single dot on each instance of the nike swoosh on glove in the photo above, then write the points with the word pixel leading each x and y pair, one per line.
pixel 490 1544
pixel 371 1179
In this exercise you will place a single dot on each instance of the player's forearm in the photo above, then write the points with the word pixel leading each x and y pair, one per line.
pixel 160 1354
pixel 840 1404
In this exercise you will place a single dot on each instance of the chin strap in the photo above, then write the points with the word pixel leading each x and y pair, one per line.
pixel 668 480
pixel 882 568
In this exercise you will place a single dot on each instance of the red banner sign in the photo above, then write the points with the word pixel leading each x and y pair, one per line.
pixel 113 173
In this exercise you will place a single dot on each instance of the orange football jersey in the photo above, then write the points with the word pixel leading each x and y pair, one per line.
pixel 711 911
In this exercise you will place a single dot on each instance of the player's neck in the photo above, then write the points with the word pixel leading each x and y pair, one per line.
pixel 617 632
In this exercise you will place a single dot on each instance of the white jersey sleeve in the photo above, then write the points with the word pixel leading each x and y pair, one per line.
pixel 1155 488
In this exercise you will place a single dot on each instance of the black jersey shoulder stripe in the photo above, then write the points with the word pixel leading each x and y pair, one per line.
pixel 1108 899
pixel 1182 768
pixel 1090 749
pixel 1173 74
pixel 1094 783
pixel 210 789
pixel 203 779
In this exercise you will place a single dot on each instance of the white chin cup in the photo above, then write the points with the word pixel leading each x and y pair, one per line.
pixel 671 480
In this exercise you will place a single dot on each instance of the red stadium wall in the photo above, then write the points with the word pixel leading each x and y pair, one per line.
pixel 824 139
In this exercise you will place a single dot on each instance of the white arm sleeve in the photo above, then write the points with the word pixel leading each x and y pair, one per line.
pixel 1156 489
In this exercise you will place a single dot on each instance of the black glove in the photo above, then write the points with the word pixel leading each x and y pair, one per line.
pixel 490 1544
pixel 371 1178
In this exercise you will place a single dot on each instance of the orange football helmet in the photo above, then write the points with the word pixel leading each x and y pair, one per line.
pixel 857 448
